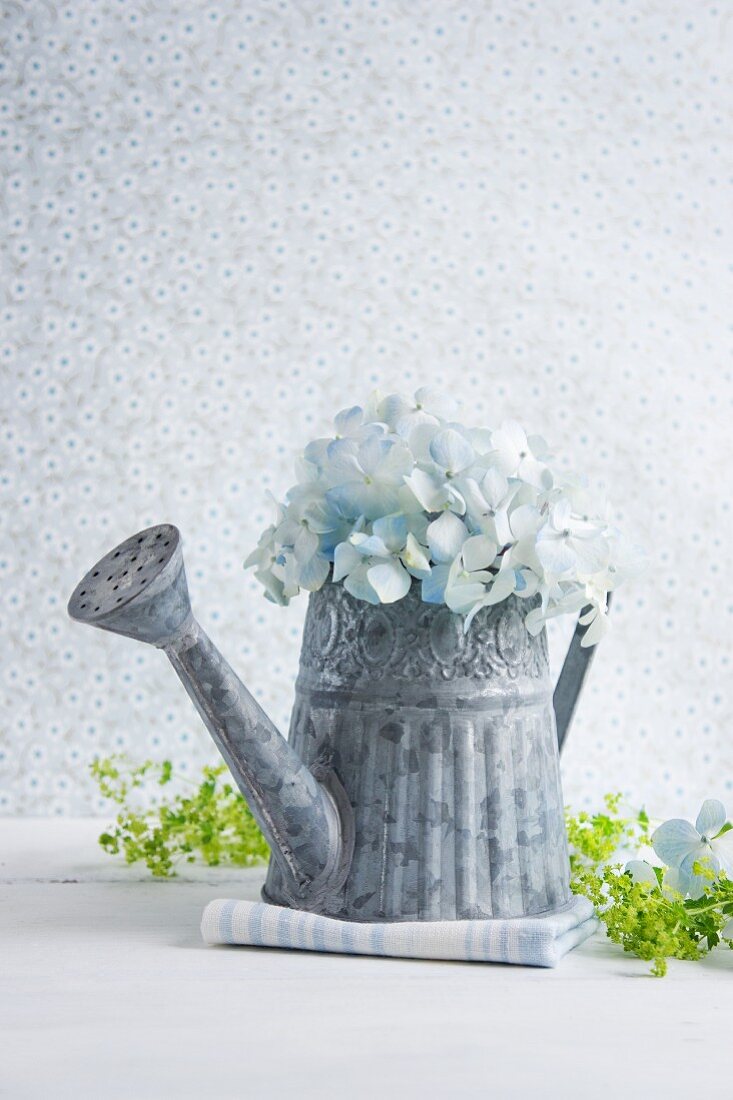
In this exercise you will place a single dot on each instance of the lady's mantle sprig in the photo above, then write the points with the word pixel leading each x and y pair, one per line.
pixel 210 822
pixel 680 910
pixel 650 911
pixel 403 493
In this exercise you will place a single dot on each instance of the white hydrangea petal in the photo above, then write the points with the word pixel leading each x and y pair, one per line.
pixel 286 569
pixel 368 499
pixel 369 545
pixel 392 530
pixel 420 437
pixel 479 552
pixel 694 884
pixel 396 463
pixel 446 536
pixel 306 472
pixel 348 420
pixel 305 545
pixel 461 597
pixel 433 587
pixel 591 555
pixel 598 629
pixel 534 621
pixel 408 424
pixel 641 872
pixel 500 528
pixel 316 453
pixel 504 584
pixel 723 848
pixel 319 517
pixel 534 472
pixel 390 581
pixel 450 450
pixel 373 452
pixel 588 616
pixel 435 402
pixel 330 539
pixel 510 435
pixel 273 586
pixel 417 525
pixel 711 818
pixel 509 442
pixel 341 462
pixel 480 440
pixel 527 583
pixel 427 490
pixel 674 840
pixel 258 556
pixel 287 531
pixel 371 408
pixel 525 521
pixel 314 573
pixel 393 407
pixel 671 883
pixel 346 558
pixel 357 583
pixel 569 601
pixel 561 515
pixel 415 557
pixel 472 615
pixel 455 501
pixel 555 555
pixel 584 528
pixel 474 499
pixel 494 487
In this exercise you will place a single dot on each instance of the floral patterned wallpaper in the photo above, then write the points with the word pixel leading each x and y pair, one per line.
pixel 225 221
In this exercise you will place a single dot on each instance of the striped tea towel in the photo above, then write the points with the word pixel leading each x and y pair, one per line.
pixel 530 941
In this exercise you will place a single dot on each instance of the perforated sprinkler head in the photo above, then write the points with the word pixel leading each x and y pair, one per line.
pixel 138 589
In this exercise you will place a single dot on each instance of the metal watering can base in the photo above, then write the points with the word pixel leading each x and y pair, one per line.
pixel 421 776
pixel 446 747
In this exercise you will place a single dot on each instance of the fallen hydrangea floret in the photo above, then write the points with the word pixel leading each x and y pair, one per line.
pixel 695 854
pixel 402 494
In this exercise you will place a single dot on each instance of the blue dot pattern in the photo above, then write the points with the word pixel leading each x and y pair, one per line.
pixel 226 221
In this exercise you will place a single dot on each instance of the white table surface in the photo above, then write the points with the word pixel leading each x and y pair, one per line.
pixel 106 990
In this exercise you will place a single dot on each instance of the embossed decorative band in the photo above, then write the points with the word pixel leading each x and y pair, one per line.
pixel 348 642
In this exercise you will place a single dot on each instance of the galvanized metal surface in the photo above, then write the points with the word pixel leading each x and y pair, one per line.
pixel 297 814
pixel 570 681
pixel 421 778
pixel 445 744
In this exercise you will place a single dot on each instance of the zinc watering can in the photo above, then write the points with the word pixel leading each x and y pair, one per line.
pixel 420 780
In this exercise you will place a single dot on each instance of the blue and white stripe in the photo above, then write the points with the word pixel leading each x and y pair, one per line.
pixel 528 941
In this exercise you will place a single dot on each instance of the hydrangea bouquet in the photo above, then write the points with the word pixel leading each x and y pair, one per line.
pixel 403 494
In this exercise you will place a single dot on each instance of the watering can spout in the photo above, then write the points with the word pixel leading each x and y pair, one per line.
pixel 139 589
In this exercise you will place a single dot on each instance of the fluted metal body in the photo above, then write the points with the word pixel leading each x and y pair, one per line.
pixel 446 747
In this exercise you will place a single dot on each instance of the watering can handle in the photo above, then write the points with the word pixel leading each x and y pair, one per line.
pixel 570 680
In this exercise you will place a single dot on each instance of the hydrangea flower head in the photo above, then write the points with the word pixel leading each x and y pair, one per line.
pixel 403 494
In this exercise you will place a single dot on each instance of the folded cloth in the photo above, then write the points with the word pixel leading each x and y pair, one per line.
pixel 530 941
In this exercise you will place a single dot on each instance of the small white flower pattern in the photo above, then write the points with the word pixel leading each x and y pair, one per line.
pixel 225 221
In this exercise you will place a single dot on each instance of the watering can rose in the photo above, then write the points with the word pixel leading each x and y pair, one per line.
pixel 404 494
